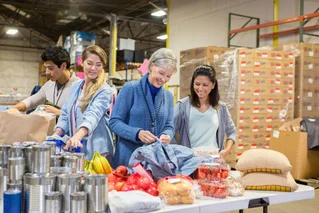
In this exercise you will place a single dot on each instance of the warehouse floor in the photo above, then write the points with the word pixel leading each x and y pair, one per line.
pixel 303 206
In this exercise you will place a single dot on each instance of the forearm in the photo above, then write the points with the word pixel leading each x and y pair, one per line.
pixel 81 133
pixel 20 106
pixel 59 131
pixel 229 145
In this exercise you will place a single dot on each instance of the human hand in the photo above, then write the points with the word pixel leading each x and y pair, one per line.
pixel 51 109
pixel 146 137
pixel 12 110
pixel 223 153
pixel 165 139
pixel 73 142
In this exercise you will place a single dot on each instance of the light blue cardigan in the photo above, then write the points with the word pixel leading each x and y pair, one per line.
pixel 130 115
pixel 94 118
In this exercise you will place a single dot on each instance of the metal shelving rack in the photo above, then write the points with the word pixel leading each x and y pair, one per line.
pixel 303 19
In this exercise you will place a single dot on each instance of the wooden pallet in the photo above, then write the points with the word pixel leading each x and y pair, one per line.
pixel 314 182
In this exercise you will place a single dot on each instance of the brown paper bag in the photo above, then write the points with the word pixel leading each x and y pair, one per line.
pixel 20 127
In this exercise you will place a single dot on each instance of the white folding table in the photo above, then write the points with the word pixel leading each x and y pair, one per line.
pixel 251 199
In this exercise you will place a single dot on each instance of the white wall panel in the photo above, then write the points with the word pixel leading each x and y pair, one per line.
pixel 19 69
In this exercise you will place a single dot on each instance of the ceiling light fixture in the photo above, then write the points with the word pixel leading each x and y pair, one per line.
pixel 162 37
pixel 159 13
pixel 12 31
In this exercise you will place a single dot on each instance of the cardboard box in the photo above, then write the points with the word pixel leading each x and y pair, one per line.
pixel 305 163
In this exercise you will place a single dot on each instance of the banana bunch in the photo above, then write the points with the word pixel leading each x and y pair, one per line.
pixel 89 167
pixel 100 164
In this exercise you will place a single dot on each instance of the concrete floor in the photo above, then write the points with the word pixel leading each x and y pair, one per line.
pixel 303 206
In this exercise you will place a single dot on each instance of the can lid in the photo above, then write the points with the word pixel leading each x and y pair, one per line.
pixel 51 143
pixel 16 148
pixel 41 147
pixel 39 179
pixel 12 192
pixel 53 196
pixel 15 161
pixel 4 147
pixel 96 179
pixel 3 172
pixel 56 156
pixel 70 157
pixel 67 179
pixel 61 170
pixel 78 154
pixel 78 196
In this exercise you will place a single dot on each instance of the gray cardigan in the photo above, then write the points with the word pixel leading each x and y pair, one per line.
pixel 181 122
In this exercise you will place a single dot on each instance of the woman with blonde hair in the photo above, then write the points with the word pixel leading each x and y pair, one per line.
pixel 85 113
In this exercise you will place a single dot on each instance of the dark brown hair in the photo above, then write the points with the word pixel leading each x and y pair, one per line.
pixel 209 71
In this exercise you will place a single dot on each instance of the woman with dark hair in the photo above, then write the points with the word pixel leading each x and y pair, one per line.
pixel 202 119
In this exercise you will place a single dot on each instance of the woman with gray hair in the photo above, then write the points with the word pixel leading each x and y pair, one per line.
pixel 144 110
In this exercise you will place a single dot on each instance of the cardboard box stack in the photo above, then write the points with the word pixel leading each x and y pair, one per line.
pixel 263 87
pixel 190 59
pixel 306 78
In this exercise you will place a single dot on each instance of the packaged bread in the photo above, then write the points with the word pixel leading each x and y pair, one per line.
pixel 176 190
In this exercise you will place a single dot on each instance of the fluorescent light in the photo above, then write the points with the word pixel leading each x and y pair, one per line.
pixel 12 31
pixel 159 13
pixel 162 37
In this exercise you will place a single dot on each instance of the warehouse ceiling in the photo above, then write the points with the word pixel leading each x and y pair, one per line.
pixel 42 22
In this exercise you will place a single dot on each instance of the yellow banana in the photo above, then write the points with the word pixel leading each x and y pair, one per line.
pixel 97 165
pixel 106 166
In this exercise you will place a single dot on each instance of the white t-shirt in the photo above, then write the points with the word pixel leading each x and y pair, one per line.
pixel 203 127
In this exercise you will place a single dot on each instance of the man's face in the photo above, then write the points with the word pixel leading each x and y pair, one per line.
pixel 52 71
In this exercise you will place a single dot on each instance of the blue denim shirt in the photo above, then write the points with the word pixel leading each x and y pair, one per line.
pixel 94 118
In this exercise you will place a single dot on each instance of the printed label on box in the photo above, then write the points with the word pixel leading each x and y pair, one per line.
pixel 257 64
pixel 290 90
pixel 269 128
pixel 291 64
pixel 270 100
pixel 309 94
pixel 276 134
pixel 278 75
pixel 256 73
pixel 310 66
pixel 240 146
pixel 242 82
pixel 267 138
pixel 253 146
pixel 278 66
pixel 290 100
pixel 310 80
pixel 243 64
pixel 255 120
pixel 256 110
pixel 264 55
pixel 310 53
pixel 257 92
pixel 278 56
pixel 269 119
pixel 255 129
pixel 256 101
pixel 277 90
pixel 242 101
pixel 309 108
pixel 269 109
pixel 277 81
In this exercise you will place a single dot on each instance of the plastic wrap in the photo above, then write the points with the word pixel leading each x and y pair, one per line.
pixel 176 190
pixel 235 188
pixel 207 190
pixel 212 172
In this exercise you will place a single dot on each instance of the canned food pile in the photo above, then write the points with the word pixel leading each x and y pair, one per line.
pixel 35 178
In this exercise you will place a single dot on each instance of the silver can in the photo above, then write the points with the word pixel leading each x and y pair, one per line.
pixel 96 187
pixel 67 184
pixel 52 144
pixel 53 201
pixel 80 161
pixel 28 159
pixel 3 185
pixel 70 161
pixel 61 170
pixel 35 187
pixel 56 161
pixel 41 158
pixel 16 151
pixel 78 202
pixel 16 169
pixel 4 153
